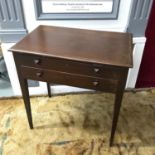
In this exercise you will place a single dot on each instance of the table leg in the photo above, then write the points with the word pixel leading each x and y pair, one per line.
pixel 26 98
pixel 48 89
pixel 25 92
pixel 117 105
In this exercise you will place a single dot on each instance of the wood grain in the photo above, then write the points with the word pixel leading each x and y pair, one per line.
pixel 111 48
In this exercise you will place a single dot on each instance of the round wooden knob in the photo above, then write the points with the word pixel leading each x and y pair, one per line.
pixel 96 70
pixel 95 83
pixel 37 61
pixel 39 74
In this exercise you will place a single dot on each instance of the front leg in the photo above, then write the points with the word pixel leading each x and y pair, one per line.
pixel 24 89
pixel 117 104
pixel 48 89
pixel 26 98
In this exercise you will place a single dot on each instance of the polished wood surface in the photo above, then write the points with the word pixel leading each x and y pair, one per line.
pixel 70 79
pixel 75 67
pixel 111 48
pixel 81 58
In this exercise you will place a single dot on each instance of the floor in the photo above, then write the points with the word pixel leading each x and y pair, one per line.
pixel 79 124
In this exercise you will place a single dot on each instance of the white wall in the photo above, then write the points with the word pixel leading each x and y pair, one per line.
pixel 138 49
pixel 112 25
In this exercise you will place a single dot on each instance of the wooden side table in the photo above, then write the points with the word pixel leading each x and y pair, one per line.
pixel 83 58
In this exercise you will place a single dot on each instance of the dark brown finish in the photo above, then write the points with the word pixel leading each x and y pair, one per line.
pixel 82 58
pixel 75 67
pixel 110 48
pixel 25 92
pixel 49 90
pixel 117 104
pixel 71 79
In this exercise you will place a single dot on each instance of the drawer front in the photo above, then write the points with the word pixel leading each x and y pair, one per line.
pixel 68 66
pixel 69 79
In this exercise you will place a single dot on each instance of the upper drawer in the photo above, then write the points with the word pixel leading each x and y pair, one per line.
pixel 69 66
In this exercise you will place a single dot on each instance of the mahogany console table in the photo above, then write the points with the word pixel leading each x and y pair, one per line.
pixel 95 60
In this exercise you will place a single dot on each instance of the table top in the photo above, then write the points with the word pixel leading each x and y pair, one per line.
pixel 111 48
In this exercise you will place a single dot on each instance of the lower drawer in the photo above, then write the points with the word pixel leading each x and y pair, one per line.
pixel 69 79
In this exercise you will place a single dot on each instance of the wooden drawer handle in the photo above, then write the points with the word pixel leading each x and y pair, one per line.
pixel 95 83
pixel 39 74
pixel 37 61
pixel 96 70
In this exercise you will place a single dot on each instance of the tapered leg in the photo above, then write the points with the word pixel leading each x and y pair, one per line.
pixel 48 89
pixel 26 98
pixel 117 105
pixel 25 91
